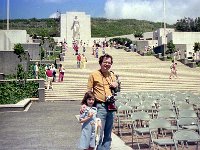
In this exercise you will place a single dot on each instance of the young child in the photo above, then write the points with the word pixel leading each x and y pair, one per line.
pixel 88 118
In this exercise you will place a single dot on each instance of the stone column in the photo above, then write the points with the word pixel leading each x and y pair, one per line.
pixel 41 90
pixel 2 76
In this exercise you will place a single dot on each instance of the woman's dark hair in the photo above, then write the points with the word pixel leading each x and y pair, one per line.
pixel 87 95
pixel 105 56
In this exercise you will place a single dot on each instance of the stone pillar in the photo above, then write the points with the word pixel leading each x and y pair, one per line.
pixel 41 83
pixel 41 90
pixel 2 76
pixel 164 58
pixel 160 55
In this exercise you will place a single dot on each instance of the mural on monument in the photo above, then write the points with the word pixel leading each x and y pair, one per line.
pixel 75 27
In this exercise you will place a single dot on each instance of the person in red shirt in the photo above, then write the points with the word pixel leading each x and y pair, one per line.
pixel 61 73
pixel 75 47
pixel 78 58
pixel 49 74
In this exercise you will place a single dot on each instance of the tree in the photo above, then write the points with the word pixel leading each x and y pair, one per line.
pixel 188 25
pixel 122 41
pixel 19 50
pixel 171 48
pixel 138 34
pixel 196 48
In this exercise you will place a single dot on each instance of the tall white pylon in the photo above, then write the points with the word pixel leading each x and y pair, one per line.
pixel 8 13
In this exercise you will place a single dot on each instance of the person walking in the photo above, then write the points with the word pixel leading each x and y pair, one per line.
pixel 53 69
pixel 173 69
pixel 84 47
pixel 100 82
pixel 78 59
pixel 49 75
pixel 88 118
pixel 97 52
pixel 36 70
pixel 83 61
pixel 61 73
pixel 75 47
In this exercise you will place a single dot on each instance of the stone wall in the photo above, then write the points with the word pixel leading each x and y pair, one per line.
pixel 33 50
pixel 187 38
pixel 13 37
pixel 160 33
pixel 184 37
pixel 9 62
pixel 181 47
pixel 4 41
pixel 142 45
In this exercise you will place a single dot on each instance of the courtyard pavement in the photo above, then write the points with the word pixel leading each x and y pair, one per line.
pixel 45 126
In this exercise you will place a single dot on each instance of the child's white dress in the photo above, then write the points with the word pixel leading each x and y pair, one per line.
pixel 88 129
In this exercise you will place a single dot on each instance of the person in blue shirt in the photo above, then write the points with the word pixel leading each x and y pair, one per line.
pixel 88 120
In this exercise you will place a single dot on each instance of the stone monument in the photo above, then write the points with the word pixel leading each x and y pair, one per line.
pixel 75 26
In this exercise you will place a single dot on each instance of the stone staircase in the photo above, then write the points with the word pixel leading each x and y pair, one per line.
pixel 137 73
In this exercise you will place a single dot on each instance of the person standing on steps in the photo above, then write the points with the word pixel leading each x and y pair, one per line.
pixel 53 69
pixel 61 73
pixel 49 75
pixel 84 47
pixel 100 83
pixel 36 70
pixel 78 59
pixel 83 61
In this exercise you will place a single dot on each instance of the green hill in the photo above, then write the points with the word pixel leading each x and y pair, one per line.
pixel 107 27
pixel 100 26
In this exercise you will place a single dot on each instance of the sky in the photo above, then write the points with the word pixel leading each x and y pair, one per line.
pixel 151 10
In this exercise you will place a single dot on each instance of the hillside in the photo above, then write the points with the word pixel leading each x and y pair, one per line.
pixel 100 26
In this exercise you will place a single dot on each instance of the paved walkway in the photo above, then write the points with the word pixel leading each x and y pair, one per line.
pixel 45 126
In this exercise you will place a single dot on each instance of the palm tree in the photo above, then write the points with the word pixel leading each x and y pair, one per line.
pixel 196 48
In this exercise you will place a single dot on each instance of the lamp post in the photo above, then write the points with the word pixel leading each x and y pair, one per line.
pixel 8 14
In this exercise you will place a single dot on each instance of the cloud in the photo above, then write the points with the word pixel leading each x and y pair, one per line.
pixel 151 10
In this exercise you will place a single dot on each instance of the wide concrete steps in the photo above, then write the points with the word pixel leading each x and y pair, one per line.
pixel 137 73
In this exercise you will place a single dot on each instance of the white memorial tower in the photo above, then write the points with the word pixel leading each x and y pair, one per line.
pixel 75 26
